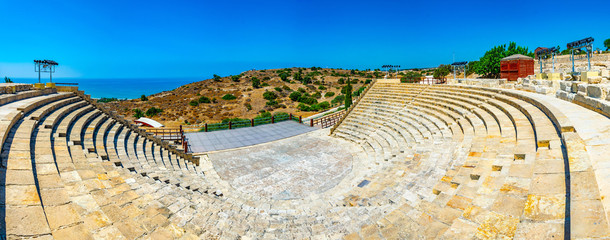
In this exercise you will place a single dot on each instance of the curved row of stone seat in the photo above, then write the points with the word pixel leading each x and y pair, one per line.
pixel 510 138
pixel 90 199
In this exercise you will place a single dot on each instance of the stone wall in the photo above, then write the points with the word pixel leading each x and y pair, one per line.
pixel 592 96
pixel 563 64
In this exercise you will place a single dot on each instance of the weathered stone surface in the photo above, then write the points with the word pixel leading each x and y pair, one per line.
pixel 26 221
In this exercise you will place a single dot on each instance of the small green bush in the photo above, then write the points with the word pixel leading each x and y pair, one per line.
pixel 301 90
pixel 263 114
pixel 256 83
pixel 204 99
pixel 138 113
pixel 143 98
pixel 269 95
pixel 338 99
pixel 193 103
pixel 278 89
pixel 295 96
pixel 153 111
pixel 286 88
pixel 329 94
pixel 272 103
pixel 248 106
pixel 229 97
pixel 322 87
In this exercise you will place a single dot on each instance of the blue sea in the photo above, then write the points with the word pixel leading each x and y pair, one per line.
pixel 121 88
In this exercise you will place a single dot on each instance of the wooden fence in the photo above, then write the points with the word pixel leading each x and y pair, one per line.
pixel 327 120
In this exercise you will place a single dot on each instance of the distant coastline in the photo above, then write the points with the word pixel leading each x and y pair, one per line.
pixel 121 88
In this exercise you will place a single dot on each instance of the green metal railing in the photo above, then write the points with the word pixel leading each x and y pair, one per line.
pixel 242 123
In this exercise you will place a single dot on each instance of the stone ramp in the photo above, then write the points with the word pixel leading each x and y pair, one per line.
pixel 201 142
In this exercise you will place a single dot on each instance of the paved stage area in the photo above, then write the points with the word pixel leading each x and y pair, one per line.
pixel 226 139
pixel 291 168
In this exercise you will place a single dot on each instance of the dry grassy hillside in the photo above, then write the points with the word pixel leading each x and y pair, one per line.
pixel 187 104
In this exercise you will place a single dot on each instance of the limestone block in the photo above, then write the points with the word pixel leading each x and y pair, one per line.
pixel 606 73
pixel 554 76
pixel 39 85
pixel 540 76
pixel 50 85
pixel 565 86
pixel 582 89
pixel 595 91
pixel 544 90
pixel 584 76
pixel 594 80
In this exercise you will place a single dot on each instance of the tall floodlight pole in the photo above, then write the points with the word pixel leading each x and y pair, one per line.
pixel 572 56
pixel 589 49
pixel 553 62
pixel 45 66
pixel 38 65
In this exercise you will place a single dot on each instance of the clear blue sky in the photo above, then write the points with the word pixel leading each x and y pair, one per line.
pixel 105 39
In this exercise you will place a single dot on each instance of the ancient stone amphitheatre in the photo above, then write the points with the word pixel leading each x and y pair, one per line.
pixel 409 161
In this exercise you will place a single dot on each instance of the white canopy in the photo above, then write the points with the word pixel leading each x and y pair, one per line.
pixel 149 122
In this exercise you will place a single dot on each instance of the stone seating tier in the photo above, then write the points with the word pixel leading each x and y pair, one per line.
pixel 447 162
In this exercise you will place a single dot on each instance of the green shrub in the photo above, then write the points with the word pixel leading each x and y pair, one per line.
pixel 324 105
pixel 193 103
pixel 143 98
pixel 341 81
pixel 301 90
pixel 284 76
pixel 216 78
pixel 322 87
pixel 204 99
pixel 248 106
pixel 272 103
pixel 256 83
pixel 235 78
pixel 229 97
pixel 329 94
pixel 295 96
pixel 265 85
pixel 317 95
pixel 107 100
pixel 263 114
pixel 309 100
pixel 286 88
pixel 278 89
pixel 269 95
pixel 338 99
pixel 138 113
pixel 303 107
pixel 153 111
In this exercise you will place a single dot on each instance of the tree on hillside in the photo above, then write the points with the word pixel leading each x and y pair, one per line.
pixel 489 64
pixel 411 77
pixel 607 44
pixel 7 80
pixel 298 76
pixel 138 113
pixel 441 71
pixel 284 76
pixel 256 83
pixel 348 94
pixel 236 78
pixel 216 78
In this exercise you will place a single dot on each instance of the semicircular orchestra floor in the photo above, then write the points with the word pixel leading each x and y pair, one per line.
pixel 286 169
